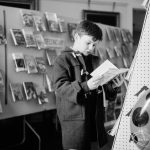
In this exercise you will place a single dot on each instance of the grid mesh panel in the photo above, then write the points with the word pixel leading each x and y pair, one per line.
pixel 140 76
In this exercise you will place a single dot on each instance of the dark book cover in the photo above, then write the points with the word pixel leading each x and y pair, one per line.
pixel 30 90
pixel 19 62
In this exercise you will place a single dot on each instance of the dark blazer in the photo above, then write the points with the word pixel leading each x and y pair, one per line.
pixel 79 110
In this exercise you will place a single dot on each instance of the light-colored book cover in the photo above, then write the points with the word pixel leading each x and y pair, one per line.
pixel 53 42
pixel 29 38
pixel 17 36
pixel 39 23
pixel 107 71
pixel 62 25
pixel 52 21
pixel 27 17
pixel 31 64
pixel 51 56
pixel 2 82
pixel 16 91
pixel 41 94
pixel 40 41
pixel 41 65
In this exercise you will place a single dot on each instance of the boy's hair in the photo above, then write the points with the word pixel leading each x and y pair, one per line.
pixel 89 28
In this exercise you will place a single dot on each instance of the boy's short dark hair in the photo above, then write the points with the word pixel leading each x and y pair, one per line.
pixel 86 27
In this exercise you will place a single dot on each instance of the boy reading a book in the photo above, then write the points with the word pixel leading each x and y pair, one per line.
pixel 79 98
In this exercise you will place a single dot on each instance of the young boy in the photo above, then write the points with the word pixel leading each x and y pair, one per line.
pixel 79 99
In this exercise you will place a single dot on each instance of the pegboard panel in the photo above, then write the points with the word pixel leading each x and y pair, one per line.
pixel 139 77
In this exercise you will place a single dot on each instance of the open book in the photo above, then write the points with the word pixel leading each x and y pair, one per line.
pixel 107 71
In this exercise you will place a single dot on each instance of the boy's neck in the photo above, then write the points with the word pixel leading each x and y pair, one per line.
pixel 73 48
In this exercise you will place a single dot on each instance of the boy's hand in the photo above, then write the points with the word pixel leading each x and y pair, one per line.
pixel 93 83
pixel 118 81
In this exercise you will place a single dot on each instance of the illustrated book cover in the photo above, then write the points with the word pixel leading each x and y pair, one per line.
pixel 17 36
pixel 19 62
pixel 41 94
pixel 40 64
pixel 53 42
pixel 107 71
pixel 71 29
pixel 52 21
pixel 27 18
pixel 2 36
pixel 31 64
pixel 39 22
pixel 29 38
pixel 62 25
pixel 49 84
pixel 51 56
pixel 2 83
pixel 16 91
pixel 30 90
pixel 39 41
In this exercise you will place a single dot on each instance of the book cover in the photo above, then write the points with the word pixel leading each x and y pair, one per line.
pixel 1 108
pixel 31 64
pixel 2 36
pixel 125 50
pixel 41 95
pixel 71 30
pixel 124 36
pixel 40 64
pixel 110 34
pixel 39 41
pixel 39 23
pixel 110 112
pixel 53 42
pixel 118 51
pixel 29 38
pixel 52 21
pixel 126 62
pixel 27 18
pixel 30 90
pixel 51 56
pixel 107 71
pixel 110 52
pixel 19 62
pixel 16 91
pixel 129 36
pixel 17 36
pixel 50 86
pixel 62 25
pixel 2 83
pixel 117 35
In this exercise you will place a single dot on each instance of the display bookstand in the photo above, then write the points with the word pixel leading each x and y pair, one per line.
pixel 139 76
pixel 25 125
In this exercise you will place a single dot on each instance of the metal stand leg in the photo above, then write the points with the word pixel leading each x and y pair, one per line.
pixel 38 137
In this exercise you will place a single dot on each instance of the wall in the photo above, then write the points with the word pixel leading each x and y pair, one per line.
pixel 73 8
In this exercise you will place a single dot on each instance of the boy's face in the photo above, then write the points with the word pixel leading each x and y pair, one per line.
pixel 85 44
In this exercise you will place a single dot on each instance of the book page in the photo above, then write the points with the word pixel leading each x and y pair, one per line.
pixel 110 74
pixel 103 68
